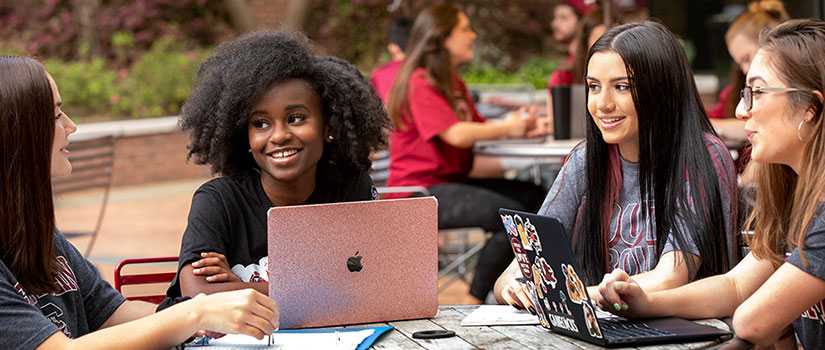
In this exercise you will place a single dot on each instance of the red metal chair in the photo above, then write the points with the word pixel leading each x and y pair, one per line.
pixel 144 278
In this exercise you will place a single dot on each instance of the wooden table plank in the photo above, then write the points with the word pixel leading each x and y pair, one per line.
pixel 482 337
pixel 409 327
pixel 495 337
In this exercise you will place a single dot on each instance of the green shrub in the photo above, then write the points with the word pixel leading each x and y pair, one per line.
pixel 159 81
pixel 87 88
pixel 156 85
pixel 535 71
pixel 480 72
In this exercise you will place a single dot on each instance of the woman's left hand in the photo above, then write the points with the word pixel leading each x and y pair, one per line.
pixel 613 293
pixel 215 268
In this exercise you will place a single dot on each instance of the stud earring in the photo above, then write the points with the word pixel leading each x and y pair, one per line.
pixel 330 137
pixel 249 150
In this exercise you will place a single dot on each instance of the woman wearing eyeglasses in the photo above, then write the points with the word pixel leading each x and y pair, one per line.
pixel 780 285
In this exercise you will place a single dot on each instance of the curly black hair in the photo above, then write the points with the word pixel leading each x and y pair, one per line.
pixel 242 70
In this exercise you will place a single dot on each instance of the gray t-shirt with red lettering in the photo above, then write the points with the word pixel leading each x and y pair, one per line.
pixel 632 245
pixel 85 301
pixel 810 326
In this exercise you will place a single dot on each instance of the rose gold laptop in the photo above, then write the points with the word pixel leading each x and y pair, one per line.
pixel 354 262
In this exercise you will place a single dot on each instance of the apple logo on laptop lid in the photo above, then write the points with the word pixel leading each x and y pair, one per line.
pixel 354 263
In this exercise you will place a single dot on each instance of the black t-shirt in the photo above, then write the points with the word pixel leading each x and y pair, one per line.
pixel 85 301
pixel 810 326
pixel 228 216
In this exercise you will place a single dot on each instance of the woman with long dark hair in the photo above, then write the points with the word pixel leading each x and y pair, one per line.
pixel 782 281
pixel 52 297
pixel 652 190
pixel 436 126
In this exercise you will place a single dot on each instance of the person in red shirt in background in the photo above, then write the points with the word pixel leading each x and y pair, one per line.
pixel 569 32
pixel 436 126
pixel 741 39
pixel 398 35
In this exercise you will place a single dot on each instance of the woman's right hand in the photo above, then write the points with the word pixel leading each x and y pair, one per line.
pixel 215 268
pixel 244 311
pixel 516 294
pixel 522 126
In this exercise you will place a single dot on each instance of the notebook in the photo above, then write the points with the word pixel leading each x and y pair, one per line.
pixel 353 262
pixel 544 256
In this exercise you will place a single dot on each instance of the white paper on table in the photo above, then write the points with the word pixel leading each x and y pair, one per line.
pixel 499 315
pixel 292 341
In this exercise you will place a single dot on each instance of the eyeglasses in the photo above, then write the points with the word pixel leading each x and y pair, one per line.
pixel 747 93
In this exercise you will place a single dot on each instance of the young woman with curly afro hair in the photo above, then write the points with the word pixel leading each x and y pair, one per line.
pixel 281 127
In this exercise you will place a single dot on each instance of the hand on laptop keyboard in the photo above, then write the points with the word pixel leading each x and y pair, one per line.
pixel 621 295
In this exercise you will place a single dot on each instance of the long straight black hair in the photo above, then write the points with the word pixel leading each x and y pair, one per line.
pixel 26 204
pixel 673 135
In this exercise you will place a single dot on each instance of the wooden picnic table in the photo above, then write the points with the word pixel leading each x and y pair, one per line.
pixel 494 337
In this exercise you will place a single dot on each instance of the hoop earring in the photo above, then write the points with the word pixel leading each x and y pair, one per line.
pixel 799 131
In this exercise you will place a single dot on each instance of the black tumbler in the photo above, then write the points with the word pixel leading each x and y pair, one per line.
pixel 561 112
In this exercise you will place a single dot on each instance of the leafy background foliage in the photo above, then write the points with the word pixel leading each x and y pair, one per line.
pixel 141 59
pixel 509 32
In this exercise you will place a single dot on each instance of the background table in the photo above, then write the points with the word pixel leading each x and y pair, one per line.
pixel 492 337
pixel 530 148
pixel 546 153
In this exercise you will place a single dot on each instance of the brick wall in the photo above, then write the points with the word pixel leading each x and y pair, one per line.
pixel 268 13
pixel 154 157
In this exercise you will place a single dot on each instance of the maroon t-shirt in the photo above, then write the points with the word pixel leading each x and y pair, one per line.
pixel 418 157
pixel 383 77
pixel 718 111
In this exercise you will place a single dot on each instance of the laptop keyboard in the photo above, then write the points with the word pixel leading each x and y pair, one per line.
pixel 627 330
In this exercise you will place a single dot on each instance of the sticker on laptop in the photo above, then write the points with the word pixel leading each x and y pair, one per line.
pixel 540 287
pixel 590 321
pixel 532 235
pixel 509 225
pixel 563 305
pixel 521 257
pixel 531 292
pixel 525 241
pixel 562 321
pixel 546 271
pixel 575 289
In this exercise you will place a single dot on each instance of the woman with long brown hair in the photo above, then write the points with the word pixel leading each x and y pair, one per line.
pixel 51 297
pixel 783 277
pixel 436 126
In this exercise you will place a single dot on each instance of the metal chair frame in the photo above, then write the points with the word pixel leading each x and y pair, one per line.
pixel 144 278
pixel 92 167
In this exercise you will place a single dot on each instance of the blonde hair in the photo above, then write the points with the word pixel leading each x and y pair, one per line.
pixel 787 202
pixel 761 14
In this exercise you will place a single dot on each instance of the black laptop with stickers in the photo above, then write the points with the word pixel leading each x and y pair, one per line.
pixel 544 256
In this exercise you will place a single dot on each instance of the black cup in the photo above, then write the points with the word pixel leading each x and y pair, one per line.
pixel 561 112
